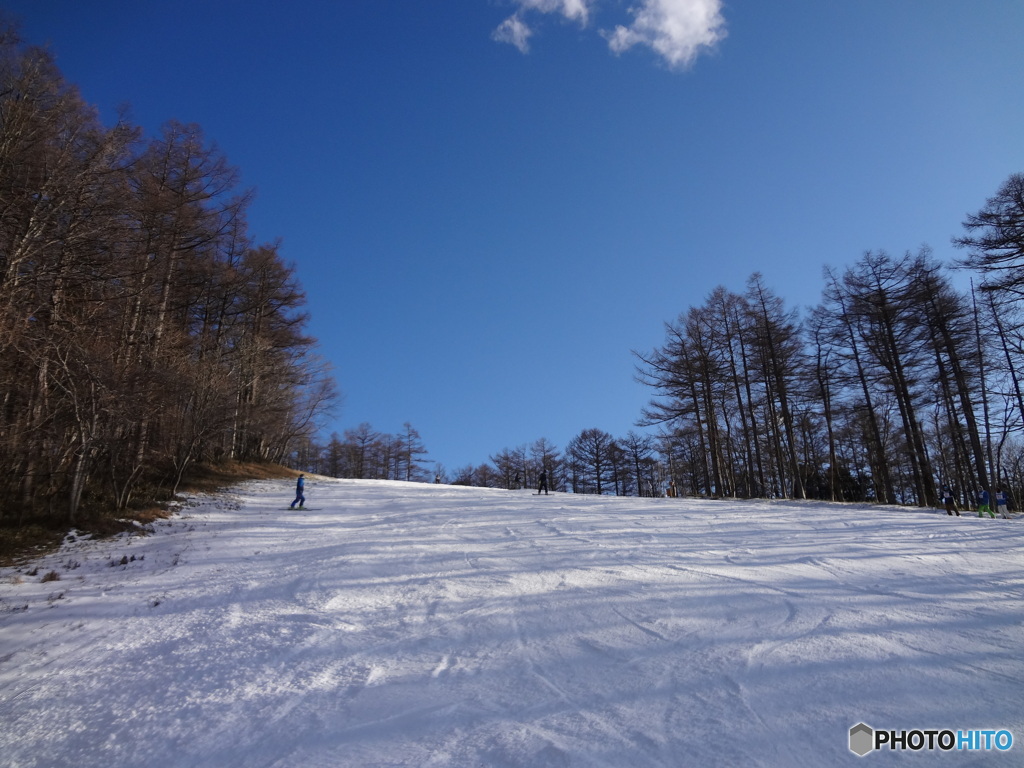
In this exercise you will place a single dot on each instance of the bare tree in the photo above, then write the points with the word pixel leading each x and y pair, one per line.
pixel 639 451
pixel 591 455
pixel 995 238
pixel 415 452
pixel 775 334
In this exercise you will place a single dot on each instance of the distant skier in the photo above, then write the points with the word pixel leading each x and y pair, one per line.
pixel 983 504
pixel 1002 503
pixel 299 498
pixel 543 484
pixel 947 497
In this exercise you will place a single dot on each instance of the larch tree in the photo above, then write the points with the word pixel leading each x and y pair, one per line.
pixel 995 238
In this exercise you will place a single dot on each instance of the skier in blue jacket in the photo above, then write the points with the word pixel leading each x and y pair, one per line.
pixel 983 504
pixel 299 498
pixel 1002 503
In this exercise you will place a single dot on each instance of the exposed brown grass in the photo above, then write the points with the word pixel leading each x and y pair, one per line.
pixel 209 478
pixel 19 544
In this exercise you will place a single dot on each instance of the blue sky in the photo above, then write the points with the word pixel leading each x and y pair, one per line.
pixel 490 203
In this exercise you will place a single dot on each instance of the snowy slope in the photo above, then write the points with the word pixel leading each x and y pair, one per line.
pixel 398 624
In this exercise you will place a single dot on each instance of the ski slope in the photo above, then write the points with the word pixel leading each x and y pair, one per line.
pixel 397 624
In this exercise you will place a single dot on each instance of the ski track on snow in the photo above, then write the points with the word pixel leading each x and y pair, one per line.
pixel 397 624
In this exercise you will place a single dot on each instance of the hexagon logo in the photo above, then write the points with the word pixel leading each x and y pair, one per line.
pixel 862 739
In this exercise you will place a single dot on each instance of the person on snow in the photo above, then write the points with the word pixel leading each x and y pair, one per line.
pixel 983 504
pixel 299 498
pixel 947 497
pixel 1002 503
pixel 543 484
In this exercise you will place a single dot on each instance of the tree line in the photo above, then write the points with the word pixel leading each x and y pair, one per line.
pixel 893 387
pixel 363 453
pixel 594 461
pixel 141 328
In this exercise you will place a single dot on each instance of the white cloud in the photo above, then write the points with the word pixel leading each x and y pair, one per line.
pixel 576 10
pixel 516 31
pixel 513 30
pixel 678 30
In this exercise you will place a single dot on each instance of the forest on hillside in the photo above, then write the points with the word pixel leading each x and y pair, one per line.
pixel 895 386
pixel 141 329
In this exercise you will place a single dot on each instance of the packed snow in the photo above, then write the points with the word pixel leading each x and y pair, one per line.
pixel 401 624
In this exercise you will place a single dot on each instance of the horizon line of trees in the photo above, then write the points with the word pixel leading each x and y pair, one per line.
pixel 593 462
pixel 141 329
pixel 363 453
